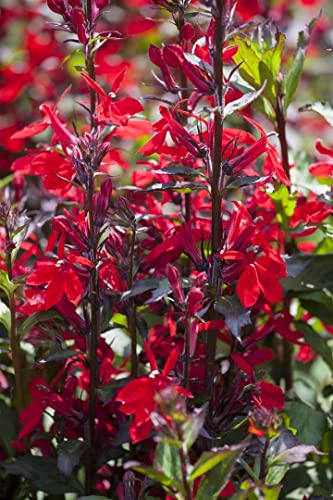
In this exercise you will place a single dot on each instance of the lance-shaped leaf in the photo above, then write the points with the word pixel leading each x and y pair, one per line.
pixel 6 285
pixel 160 477
pixel 217 467
pixel 317 343
pixel 167 459
pixel 69 454
pixel 43 474
pixel 235 315
pixel 243 101
pixel 294 73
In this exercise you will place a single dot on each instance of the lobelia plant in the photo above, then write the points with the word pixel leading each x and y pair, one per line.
pixel 166 271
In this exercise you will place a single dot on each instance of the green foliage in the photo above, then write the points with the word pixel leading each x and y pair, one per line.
pixel 309 423
pixel 43 474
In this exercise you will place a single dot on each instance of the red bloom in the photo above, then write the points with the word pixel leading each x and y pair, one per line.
pixel 109 110
pixel 61 278
pixel 138 397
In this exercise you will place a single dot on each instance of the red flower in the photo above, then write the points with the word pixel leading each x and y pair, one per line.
pixel 138 397
pixel 270 396
pixel 109 110
pixel 61 278
pixel 250 259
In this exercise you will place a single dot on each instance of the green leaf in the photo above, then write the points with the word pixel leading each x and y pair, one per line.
pixel 293 76
pixel 5 284
pixel 243 101
pixel 267 492
pixel 295 455
pixel 209 459
pixel 9 428
pixel 318 344
pixel 179 170
pixel 284 201
pixel 6 180
pixel 160 292
pixel 106 393
pixel 178 186
pixel 5 315
pixel 139 287
pixel 158 476
pixel 308 422
pixel 309 273
pixel 247 180
pixel 249 60
pixel 69 454
pixel 36 318
pixel 319 304
pixel 61 354
pixel 93 497
pixel 324 109
pixel 167 459
pixel 44 474
pixel 217 471
pixel 192 426
pixel 235 316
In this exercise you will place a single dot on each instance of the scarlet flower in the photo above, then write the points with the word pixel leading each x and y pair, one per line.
pixel 61 278
pixel 43 396
pixel 250 259
pixel 322 168
pixel 180 136
pixel 138 397
pixel 109 110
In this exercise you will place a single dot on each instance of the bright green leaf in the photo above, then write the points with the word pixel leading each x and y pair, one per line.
pixel 308 422
pixel 217 475
pixel 158 476
pixel 167 459
pixel 5 284
pixel 208 460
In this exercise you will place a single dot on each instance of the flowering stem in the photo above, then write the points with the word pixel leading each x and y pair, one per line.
pixel 281 129
pixel 263 460
pixel 131 314
pixel 216 222
pixel 184 460
pixel 94 300
pixel 14 344
pixel 187 364
pixel 93 345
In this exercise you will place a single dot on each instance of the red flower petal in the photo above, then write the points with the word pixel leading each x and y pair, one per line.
pixel 247 288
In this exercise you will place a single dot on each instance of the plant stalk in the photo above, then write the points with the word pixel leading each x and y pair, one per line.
pixel 95 319
pixel 14 343
pixel 281 129
pixel 93 344
pixel 131 314
pixel 187 364
pixel 216 222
